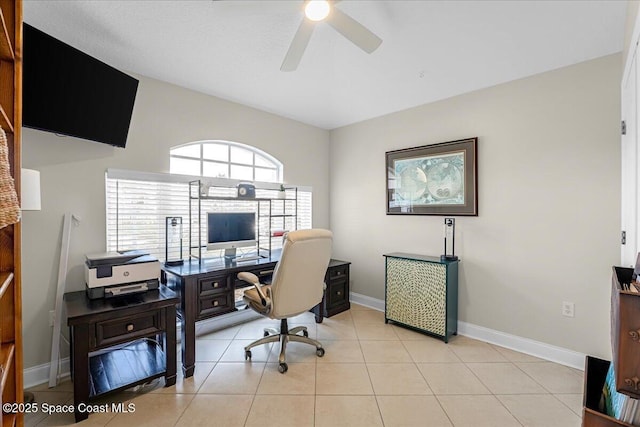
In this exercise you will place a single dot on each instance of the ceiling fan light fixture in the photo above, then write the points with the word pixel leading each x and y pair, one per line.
pixel 317 10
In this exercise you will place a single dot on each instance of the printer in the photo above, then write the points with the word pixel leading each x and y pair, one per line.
pixel 113 274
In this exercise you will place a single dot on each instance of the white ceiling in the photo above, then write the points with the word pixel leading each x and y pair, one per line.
pixel 431 50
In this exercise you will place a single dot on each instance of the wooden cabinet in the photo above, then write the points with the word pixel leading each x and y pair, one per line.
pixel 11 369
pixel 595 372
pixel 336 293
pixel 625 333
pixel 121 342
pixel 625 342
pixel 421 292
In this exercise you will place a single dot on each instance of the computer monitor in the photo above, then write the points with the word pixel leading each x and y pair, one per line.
pixel 230 230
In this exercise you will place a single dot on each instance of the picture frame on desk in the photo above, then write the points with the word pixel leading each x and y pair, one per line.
pixel 437 179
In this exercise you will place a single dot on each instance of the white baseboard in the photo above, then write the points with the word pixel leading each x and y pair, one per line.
pixel 376 304
pixel 40 374
pixel 539 349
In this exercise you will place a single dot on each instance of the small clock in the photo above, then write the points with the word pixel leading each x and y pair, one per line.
pixel 246 191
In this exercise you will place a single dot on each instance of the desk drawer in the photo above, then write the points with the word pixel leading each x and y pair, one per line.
pixel 216 304
pixel 128 328
pixel 337 293
pixel 214 284
pixel 338 273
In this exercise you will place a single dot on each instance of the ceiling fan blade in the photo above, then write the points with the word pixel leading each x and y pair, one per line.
pixel 353 30
pixel 298 46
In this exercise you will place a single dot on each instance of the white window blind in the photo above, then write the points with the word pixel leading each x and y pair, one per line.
pixel 138 203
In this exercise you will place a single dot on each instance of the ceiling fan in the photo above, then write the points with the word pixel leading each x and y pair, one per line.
pixel 322 10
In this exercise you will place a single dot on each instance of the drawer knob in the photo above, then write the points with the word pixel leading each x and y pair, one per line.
pixel 215 284
pixel 635 335
pixel 339 293
pixel 130 327
pixel 632 382
pixel 338 273
pixel 215 303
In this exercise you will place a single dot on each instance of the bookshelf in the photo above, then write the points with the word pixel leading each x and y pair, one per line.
pixel 625 340
pixel 11 371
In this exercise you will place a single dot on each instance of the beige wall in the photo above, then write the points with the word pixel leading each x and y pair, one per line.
pixel 72 173
pixel 549 203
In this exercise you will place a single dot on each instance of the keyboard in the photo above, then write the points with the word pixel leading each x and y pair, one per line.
pixel 247 258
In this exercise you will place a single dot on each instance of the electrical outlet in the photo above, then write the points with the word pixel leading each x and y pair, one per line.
pixel 52 317
pixel 568 309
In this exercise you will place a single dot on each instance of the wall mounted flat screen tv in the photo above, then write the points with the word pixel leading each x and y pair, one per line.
pixel 66 91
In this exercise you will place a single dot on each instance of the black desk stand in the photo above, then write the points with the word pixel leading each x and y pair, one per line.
pixel 119 343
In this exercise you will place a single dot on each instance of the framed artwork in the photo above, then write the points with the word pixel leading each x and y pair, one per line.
pixel 437 179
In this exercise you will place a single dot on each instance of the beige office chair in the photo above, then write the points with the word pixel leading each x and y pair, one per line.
pixel 296 287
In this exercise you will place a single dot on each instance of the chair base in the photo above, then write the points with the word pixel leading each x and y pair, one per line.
pixel 284 335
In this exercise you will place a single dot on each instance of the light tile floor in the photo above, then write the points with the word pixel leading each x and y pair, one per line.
pixel 373 374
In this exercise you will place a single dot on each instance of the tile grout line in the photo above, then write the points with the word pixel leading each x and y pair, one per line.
pixel 429 385
pixel 495 396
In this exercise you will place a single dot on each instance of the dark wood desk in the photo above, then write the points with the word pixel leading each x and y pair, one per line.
pixel 207 289
pixel 120 342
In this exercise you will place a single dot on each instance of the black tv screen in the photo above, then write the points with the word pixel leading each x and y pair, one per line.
pixel 66 91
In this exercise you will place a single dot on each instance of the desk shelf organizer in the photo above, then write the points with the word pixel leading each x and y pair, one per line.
pixel 421 292
pixel 275 215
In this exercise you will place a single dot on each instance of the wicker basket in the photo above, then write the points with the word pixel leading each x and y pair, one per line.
pixel 9 206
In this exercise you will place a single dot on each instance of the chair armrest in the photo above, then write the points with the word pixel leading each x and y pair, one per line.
pixel 253 279
pixel 249 277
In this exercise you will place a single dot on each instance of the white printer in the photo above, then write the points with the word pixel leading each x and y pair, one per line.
pixel 112 274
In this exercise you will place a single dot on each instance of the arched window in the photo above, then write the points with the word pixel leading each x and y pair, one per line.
pixel 138 203
pixel 225 159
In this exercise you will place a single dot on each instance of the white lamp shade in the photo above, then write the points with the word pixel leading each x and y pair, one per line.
pixel 30 190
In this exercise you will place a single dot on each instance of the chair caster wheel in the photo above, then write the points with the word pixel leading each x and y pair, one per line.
pixel 305 333
pixel 283 368
pixel 320 352
pixel 247 355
